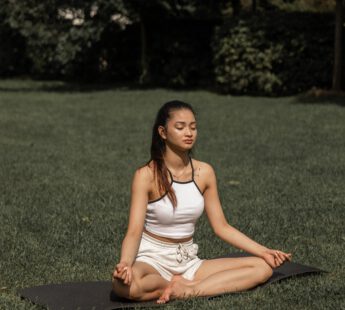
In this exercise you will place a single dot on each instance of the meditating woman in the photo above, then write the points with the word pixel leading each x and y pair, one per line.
pixel 169 193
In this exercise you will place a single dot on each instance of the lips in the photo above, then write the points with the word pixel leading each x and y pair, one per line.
pixel 188 141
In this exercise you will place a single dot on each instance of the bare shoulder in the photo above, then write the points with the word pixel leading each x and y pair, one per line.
pixel 144 174
pixel 203 170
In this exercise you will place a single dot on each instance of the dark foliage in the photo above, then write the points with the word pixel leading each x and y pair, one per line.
pixel 274 53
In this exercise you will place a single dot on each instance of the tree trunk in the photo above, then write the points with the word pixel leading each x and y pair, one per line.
pixel 144 76
pixel 338 46
pixel 236 7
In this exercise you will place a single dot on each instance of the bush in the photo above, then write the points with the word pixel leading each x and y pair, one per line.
pixel 274 53
pixel 244 61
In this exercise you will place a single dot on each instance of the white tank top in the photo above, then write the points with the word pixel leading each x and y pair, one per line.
pixel 163 220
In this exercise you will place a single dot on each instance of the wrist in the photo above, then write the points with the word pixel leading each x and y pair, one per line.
pixel 262 251
pixel 125 261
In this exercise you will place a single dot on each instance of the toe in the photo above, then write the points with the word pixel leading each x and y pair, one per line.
pixel 162 300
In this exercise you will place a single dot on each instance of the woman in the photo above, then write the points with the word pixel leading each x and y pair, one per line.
pixel 169 193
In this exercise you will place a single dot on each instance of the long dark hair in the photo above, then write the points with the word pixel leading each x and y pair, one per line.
pixel 158 146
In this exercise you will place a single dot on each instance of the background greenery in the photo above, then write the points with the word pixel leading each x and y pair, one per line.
pixel 274 53
pixel 283 47
pixel 68 156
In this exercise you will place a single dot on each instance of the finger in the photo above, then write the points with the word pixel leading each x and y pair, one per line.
pixel 127 278
pixel 120 266
pixel 272 263
pixel 282 257
pixel 289 256
pixel 275 263
pixel 276 259
pixel 118 274
pixel 125 271
pixel 279 257
pixel 124 274
pixel 285 256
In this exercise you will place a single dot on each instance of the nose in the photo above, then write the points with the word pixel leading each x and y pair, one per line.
pixel 189 132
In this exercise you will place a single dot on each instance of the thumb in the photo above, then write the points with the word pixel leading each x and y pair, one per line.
pixel 271 263
pixel 119 267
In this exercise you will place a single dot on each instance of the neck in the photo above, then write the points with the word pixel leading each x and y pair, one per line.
pixel 176 160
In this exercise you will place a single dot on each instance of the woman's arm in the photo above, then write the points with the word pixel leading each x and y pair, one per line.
pixel 225 231
pixel 239 240
pixel 138 204
pixel 131 241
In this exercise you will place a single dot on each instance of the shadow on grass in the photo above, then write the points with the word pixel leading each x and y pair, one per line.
pixel 320 96
pixel 313 96
pixel 28 86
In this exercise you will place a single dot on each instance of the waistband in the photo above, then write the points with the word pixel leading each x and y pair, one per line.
pixel 164 243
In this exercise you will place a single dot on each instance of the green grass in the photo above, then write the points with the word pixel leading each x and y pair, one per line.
pixel 67 157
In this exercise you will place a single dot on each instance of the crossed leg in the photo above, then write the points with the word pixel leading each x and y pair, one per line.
pixel 147 283
pixel 221 275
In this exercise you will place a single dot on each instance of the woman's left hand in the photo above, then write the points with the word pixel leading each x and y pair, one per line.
pixel 275 258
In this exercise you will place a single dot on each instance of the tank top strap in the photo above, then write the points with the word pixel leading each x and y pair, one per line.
pixel 191 164
pixel 171 176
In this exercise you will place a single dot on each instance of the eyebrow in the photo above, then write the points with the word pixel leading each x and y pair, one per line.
pixel 185 122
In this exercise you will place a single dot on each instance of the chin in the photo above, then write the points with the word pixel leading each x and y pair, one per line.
pixel 187 147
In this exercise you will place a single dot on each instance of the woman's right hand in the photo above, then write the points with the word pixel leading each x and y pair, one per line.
pixel 123 272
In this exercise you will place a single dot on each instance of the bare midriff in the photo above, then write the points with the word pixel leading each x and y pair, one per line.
pixel 172 240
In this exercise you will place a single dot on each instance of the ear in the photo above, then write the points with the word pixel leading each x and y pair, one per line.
pixel 162 132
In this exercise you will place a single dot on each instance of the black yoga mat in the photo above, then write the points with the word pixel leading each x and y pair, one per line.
pixel 98 295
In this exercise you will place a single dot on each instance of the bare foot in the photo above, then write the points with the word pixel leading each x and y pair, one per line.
pixel 175 290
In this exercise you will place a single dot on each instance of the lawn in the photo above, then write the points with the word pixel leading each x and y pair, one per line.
pixel 68 154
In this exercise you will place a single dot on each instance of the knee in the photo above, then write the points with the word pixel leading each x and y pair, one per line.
pixel 263 270
pixel 135 291
pixel 131 291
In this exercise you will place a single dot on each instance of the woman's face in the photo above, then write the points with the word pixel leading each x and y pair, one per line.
pixel 180 129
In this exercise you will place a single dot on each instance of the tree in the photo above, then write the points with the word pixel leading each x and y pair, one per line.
pixel 143 12
pixel 57 32
pixel 338 44
pixel 236 7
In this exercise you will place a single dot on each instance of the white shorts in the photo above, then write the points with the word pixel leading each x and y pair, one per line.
pixel 169 258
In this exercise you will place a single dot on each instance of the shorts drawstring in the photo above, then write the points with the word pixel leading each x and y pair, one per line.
pixel 183 253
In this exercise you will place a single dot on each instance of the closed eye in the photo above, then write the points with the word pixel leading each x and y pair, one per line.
pixel 193 128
